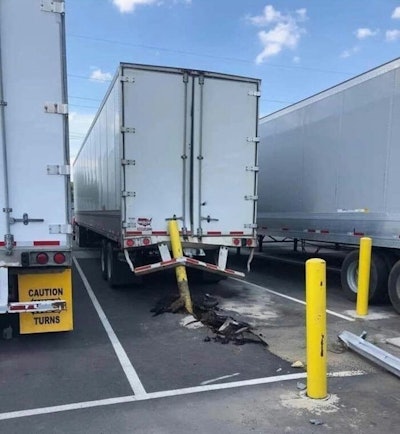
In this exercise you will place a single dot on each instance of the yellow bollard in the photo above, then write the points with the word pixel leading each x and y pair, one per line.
pixel 180 271
pixel 364 271
pixel 316 328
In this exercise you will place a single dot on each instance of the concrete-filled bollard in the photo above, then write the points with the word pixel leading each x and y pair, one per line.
pixel 316 328
pixel 364 271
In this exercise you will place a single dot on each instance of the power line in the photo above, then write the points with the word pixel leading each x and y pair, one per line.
pixel 81 97
pixel 191 53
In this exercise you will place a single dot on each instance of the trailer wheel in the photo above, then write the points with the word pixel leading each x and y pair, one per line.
pixel 378 278
pixel 103 259
pixel 394 286
pixel 112 265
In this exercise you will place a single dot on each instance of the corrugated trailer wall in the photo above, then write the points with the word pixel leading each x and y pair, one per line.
pixel 100 158
pixel 330 162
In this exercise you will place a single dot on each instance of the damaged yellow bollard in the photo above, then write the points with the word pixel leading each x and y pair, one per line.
pixel 316 328
pixel 180 271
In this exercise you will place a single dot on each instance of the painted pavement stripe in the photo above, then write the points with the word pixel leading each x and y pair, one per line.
pixel 165 394
pixel 296 300
pixel 128 368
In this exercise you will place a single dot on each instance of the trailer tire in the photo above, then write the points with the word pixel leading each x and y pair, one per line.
pixel 394 286
pixel 103 259
pixel 113 265
pixel 378 277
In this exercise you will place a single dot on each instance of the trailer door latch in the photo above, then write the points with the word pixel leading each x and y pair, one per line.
pixel 25 220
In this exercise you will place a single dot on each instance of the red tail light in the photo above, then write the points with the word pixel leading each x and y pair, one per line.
pixel 59 258
pixel 42 258
pixel 236 241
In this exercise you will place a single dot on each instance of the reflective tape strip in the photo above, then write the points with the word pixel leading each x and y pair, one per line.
pixel 34 243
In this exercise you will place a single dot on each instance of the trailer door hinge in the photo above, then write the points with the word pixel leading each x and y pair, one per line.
pixel 56 6
pixel 57 169
pixel 61 109
pixel 128 194
pixel 254 93
pixel 60 229
pixel 250 197
pixel 250 226
pixel 252 168
pixel 253 139
pixel 127 79
pixel 127 130
pixel 128 162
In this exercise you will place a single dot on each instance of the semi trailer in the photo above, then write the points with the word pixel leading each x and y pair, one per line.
pixel 169 143
pixel 329 172
pixel 35 220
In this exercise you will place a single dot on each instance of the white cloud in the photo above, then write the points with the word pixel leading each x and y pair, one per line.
pixel 282 30
pixel 350 52
pixel 296 59
pixel 99 75
pixel 126 6
pixel 396 13
pixel 364 32
pixel 392 35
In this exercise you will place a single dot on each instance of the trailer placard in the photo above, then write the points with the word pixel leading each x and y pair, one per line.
pixel 46 286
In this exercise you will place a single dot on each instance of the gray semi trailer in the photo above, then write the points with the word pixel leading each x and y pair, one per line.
pixel 329 172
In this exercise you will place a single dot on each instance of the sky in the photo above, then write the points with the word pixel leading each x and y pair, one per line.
pixel 296 47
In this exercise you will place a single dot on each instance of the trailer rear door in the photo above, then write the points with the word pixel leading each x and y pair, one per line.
pixel 226 155
pixel 34 123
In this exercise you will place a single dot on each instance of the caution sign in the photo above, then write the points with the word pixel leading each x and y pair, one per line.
pixel 46 286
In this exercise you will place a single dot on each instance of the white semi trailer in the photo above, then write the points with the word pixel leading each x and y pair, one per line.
pixel 169 143
pixel 329 172
pixel 35 221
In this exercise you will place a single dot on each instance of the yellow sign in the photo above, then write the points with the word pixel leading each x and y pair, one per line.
pixel 54 285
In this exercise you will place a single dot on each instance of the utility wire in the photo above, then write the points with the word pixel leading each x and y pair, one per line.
pixel 191 53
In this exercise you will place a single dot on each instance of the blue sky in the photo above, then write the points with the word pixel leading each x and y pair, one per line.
pixel 297 47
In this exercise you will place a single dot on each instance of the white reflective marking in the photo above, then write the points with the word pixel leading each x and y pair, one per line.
pixel 129 370
pixel 331 312
pixel 203 383
pixel 164 394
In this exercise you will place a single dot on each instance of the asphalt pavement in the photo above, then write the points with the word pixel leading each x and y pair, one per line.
pixel 125 370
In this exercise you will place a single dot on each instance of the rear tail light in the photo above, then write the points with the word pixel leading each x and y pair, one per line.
pixel 59 258
pixel 42 258
pixel 236 241
pixel 249 242
pixel 146 241
pixel 130 243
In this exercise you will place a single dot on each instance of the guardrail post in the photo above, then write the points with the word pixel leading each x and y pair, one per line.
pixel 364 271
pixel 316 328
pixel 180 271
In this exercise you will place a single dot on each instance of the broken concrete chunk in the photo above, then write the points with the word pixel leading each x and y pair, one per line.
pixel 316 422
pixel 297 364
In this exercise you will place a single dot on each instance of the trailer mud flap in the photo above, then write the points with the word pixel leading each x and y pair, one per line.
pixel 46 286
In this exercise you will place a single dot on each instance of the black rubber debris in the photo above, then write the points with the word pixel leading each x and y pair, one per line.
pixel 226 329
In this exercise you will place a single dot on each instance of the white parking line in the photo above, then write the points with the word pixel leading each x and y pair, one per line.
pixel 165 394
pixel 203 383
pixel 296 300
pixel 128 368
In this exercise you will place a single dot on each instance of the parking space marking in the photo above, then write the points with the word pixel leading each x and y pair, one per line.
pixel 166 394
pixel 127 366
pixel 203 383
pixel 296 300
